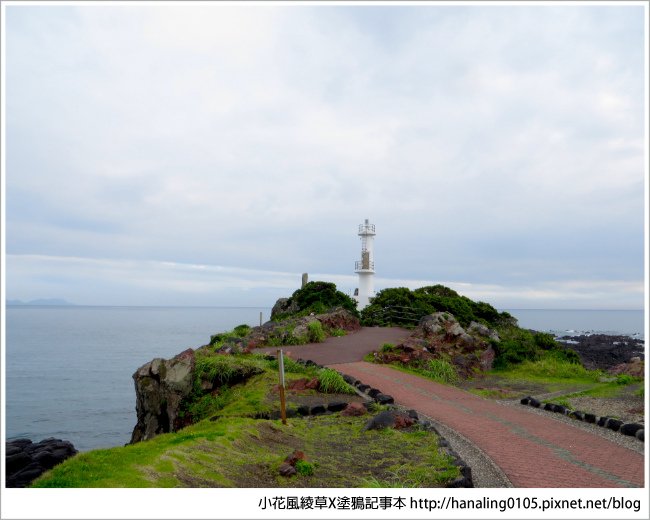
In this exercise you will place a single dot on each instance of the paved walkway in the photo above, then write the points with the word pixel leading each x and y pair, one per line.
pixel 344 349
pixel 532 450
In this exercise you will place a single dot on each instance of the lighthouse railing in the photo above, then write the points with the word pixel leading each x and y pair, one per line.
pixel 366 228
pixel 360 265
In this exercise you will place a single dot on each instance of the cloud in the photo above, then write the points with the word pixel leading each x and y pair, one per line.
pixel 489 144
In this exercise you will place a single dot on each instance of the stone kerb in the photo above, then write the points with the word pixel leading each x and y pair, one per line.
pixel 630 429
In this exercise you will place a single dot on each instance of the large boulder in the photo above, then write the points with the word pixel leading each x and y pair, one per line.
pixel 284 306
pixel 479 329
pixel 26 460
pixel 160 386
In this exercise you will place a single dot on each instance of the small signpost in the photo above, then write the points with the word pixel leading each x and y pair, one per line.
pixel 283 404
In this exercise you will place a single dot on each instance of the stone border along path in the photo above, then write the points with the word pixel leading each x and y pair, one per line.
pixel 530 449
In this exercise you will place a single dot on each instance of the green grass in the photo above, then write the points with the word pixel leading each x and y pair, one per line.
pixel 441 371
pixel 242 452
pixel 551 369
pixel 315 332
pixel 330 381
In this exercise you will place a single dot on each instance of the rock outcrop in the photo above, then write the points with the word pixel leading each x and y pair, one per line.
pixel 160 386
pixel 25 460
pixel 439 335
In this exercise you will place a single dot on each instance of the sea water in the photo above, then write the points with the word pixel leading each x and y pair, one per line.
pixel 579 322
pixel 68 369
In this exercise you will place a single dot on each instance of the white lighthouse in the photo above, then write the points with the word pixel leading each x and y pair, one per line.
pixel 365 267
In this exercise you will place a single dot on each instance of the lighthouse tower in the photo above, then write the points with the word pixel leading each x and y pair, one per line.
pixel 365 267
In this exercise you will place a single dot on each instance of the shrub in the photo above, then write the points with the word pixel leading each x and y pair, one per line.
pixel 331 382
pixel 387 347
pixel 315 332
pixel 242 330
pixel 338 333
pixel 319 297
pixel 625 379
pixel 401 306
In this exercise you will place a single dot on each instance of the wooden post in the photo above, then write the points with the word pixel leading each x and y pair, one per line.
pixel 283 404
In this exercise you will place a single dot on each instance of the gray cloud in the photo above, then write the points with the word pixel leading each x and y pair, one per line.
pixel 499 146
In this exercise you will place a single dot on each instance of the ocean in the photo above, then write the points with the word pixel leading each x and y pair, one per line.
pixel 68 369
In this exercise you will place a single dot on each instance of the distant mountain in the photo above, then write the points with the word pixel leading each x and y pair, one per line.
pixel 40 301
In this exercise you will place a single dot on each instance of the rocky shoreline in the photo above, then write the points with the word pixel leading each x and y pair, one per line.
pixel 601 351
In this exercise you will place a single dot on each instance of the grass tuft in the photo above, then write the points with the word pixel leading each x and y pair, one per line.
pixel 331 382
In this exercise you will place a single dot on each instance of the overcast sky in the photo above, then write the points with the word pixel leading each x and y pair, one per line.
pixel 208 155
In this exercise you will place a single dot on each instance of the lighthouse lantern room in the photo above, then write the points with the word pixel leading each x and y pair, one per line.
pixel 365 267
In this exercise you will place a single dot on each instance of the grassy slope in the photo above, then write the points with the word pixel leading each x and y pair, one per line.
pixel 231 449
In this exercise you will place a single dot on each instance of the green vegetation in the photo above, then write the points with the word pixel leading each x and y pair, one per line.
pixel 337 333
pixel 550 367
pixel 232 449
pixel 315 332
pixel 401 306
pixel 441 371
pixel 318 297
pixel 519 345
pixel 330 381
pixel 304 468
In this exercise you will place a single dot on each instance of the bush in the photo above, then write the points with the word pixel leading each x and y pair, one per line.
pixel 242 330
pixel 401 306
pixel 319 297
pixel 315 332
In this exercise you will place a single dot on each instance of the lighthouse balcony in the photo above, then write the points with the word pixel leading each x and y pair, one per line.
pixel 366 229
pixel 364 265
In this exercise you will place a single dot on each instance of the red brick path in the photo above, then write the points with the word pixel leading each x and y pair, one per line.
pixel 532 450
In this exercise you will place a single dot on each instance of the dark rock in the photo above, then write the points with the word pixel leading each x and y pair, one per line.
pixel 16 462
pixel 160 386
pixel 602 421
pixel 349 379
pixel 534 402
pixel 590 418
pixel 384 399
pixel 413 414
pixel 577 415
pixel 26 461
pixel 525 400
pixel 363 388
pixel 389 419
pixel 287 470
pixel 373 392
pixel 549 407
pixel 640 435
pixel 317 410
pixel 558 408
pixel 631 429
pixel 284 305
pixel 336 406
pixel 614 424
pixel 603 351
pixel 302 410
